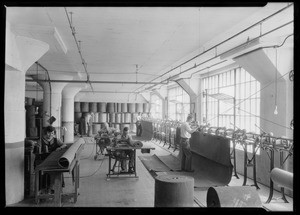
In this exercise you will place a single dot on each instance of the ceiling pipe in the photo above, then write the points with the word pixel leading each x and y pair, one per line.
pixel 97 82
pixel 82 60
pixel 215 46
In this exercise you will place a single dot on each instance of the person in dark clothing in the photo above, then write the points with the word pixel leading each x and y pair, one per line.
pixel 48 144
pixel 82 126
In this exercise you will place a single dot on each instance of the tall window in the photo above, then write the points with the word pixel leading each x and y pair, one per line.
pixel 224 90
pixel 156 107
pixel 178 104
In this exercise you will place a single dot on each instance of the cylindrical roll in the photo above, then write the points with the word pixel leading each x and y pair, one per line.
pixel 102 117
pixel 139 107
pixel 133 117
pixel 131 107
pixel 122 117
pixel 84 106
pixel 101 107
pixel 96 117
pixel 110 107
pixel 96 128
pixel 77 107
pixel 124 107
pixel 282 178
pixel 123 125
pixel 112 117
pixel 174 191
pixel 93 107
pixel 77 116
pixel 146 107
pixel 133 127
pixel 127 117
pixel 236 196
pixel 119 107
pixel 29 101
pixel 118 117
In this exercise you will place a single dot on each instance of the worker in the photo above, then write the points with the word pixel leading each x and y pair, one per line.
pixel 139 125
pixel 89 123
pixel 48 144
pixel 127 140
pixel 185 134
pixel 82 126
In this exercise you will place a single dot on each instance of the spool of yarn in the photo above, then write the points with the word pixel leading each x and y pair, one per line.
pixel 112 117
pixel 282 178
pixel 110 107
pixel 118 117
pixel 139 107
pixel 96 128
pixel 84 107
pixel 235 196
pixel 119 107
pixel 131 107
pixel 124 107
pixel 93 107
pixel 77 116
pixel 122 117
pixel 29 101
pixel 102 117
pixel 133 127
pixel 133 117
pixel 101 107
pixel 174 191
pixel 77 107
pixel 127 117
pixel 96 117
pixel 146 107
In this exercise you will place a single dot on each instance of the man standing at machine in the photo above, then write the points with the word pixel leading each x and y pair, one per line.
pixel 185 134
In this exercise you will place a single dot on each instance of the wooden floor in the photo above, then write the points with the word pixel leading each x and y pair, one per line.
pixel 119 192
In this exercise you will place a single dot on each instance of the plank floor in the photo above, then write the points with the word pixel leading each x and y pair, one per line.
pixel 123 192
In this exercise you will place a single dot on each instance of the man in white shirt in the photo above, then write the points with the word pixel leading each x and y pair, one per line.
pixel 185 134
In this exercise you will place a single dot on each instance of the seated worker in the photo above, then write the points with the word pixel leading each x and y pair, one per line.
pixel 125 139
pixel 49 143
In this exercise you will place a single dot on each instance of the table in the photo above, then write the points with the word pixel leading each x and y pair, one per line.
pixel 110 156
pixel 50 166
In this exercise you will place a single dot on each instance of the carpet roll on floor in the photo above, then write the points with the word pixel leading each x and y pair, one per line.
pixel 174 191
pixel 236 196
pixel 282 178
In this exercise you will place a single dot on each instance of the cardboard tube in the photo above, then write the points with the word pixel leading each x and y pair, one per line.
pixel 282 178
pixel 237 196
pixel 66 159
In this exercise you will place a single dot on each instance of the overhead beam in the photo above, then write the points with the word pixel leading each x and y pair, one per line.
pixel 96 82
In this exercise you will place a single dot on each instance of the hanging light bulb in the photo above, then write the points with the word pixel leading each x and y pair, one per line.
pixel 276 111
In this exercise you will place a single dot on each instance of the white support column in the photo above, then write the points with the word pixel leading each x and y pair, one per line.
pixel 20 54
pixel 68 95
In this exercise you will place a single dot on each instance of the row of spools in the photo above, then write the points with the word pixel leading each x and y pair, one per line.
pixel 103 107
pixel 119 115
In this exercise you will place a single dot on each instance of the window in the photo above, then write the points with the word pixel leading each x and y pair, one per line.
pixel 156 107
pixel 218 106
pixel 178 104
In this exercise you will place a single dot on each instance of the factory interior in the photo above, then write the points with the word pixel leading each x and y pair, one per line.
pixel 97 75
